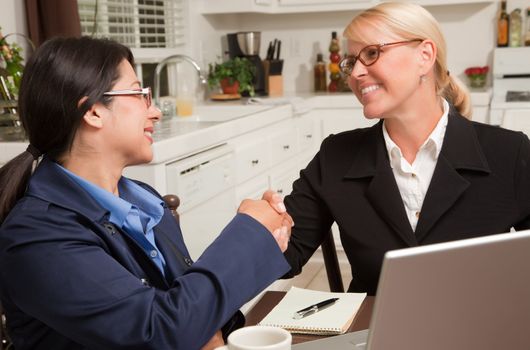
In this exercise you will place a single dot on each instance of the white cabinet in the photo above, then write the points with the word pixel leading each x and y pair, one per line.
pixel 235 6
pixel 253 188
pixel 480 103
pixel 283 142
pixel 305 6
pixel 281 6
pixel 204 183
pixel 517 119
pixel 252 156
pixel 309 133
pixel 283 176
pixel 269 157
pixel 335 120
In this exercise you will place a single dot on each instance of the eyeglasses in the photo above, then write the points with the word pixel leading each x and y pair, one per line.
pixel 368 56
pixel 145 92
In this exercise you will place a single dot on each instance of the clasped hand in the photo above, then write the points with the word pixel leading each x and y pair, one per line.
pixel 271 213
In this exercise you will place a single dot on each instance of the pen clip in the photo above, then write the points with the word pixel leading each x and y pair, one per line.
pixel 314 308
pixel 303 313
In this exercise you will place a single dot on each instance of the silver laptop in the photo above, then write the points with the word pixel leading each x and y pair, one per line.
pixel 468 294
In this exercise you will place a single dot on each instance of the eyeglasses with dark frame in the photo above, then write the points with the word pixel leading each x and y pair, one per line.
pixel 145 92
pixel 368 55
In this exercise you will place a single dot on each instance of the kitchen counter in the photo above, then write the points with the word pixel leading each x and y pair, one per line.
pixel 175 137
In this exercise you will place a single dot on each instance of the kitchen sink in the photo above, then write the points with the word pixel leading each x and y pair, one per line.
pixel 220 113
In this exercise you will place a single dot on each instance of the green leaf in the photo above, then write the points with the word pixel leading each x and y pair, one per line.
pixel 239 68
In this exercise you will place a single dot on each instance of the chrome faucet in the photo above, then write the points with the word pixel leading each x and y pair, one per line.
pixel 174 58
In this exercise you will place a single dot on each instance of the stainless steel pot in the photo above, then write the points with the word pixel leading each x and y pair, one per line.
pixel 249 42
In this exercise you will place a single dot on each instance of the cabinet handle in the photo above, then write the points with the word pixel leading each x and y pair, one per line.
pixel 280 191
pixel 255 162
pixel 286 147
pixel 309 136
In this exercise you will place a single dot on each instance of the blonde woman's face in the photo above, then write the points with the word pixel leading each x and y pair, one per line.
pixel 385 86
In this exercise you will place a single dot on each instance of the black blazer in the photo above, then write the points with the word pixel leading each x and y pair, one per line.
pixel 480 186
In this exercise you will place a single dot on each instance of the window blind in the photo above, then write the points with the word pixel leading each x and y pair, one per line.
pixel 135 23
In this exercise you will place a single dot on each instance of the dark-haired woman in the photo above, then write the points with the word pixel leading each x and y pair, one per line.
pixel 92 260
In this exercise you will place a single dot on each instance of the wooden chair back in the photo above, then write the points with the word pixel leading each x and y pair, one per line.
pixel 5 343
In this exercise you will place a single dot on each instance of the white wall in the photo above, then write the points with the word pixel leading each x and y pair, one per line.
pixel 13 19
pixel 469 30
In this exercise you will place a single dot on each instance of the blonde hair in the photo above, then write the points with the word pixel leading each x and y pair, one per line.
pixel 404 21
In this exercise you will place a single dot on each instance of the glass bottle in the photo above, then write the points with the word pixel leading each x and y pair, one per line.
pixel 502 26
pixel 335 78
pixel 515 28
pixel 320 74
pixel 527 33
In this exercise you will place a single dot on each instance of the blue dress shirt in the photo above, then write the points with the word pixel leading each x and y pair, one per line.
pixel 137 219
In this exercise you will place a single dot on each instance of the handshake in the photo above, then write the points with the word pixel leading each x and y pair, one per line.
pixel 271 213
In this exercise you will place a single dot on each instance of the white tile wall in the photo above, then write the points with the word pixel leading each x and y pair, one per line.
pixel 469 30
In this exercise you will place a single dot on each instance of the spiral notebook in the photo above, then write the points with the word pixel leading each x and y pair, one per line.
pixel 335 319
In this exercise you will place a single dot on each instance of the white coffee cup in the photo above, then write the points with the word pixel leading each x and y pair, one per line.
pixel 258 338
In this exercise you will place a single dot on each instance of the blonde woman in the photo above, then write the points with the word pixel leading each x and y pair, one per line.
pixel 425 173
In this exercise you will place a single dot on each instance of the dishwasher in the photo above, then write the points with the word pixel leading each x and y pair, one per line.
pixel 205 184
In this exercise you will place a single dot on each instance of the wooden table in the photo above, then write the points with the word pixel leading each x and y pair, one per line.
pixel 271 299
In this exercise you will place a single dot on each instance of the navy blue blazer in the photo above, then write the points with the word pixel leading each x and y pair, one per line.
pixel 69 279
pixel 480 186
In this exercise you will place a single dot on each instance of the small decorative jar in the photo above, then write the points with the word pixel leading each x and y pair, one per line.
pixel 477 76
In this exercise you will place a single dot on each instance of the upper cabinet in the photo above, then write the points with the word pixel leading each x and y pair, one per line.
pixel 301 6
pixel 282 6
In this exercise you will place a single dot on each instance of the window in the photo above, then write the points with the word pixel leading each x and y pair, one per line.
pixel 135 23
pixel 153 29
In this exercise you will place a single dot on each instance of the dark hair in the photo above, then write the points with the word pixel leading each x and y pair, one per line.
pixel 58 75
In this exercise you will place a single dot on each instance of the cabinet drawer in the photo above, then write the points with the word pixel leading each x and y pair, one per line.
pixel 252 189
pixel 283 144
pixel 282 178
pixel 307 134
pixel 252 158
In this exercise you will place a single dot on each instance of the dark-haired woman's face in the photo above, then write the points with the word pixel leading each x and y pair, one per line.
pixel 130 124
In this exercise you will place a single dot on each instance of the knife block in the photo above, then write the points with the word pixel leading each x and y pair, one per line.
pixel 275 85
pixel 273 77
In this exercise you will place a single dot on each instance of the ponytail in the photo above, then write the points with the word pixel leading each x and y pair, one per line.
pixel 14 178
pixel 457 94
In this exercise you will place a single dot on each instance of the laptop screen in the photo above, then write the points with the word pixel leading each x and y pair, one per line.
pixel 467 294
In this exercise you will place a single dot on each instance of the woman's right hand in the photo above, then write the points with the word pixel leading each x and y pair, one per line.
pixel 270 212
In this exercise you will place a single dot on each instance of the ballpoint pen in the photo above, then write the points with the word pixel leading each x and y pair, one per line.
pixel 314 308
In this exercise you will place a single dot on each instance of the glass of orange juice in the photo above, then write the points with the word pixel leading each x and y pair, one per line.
pixel 184 106
pixel 185 101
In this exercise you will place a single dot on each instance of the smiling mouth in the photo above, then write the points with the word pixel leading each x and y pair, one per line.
pixel 370 88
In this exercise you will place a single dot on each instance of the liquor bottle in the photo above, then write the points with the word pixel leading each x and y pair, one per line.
pixel 335 78
pixel 502 26
pixel 527 32
pixel 320 74
pixel 515 28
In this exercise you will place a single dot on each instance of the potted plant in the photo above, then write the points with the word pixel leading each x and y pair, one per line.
pixel 234 76
pixel 11 59
pixel 477 76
